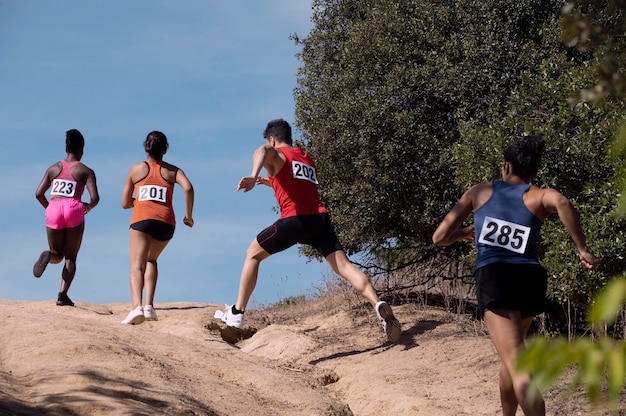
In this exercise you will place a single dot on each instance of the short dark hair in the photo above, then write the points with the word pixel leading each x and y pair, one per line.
pixel 524 155
pixel 280 129
pixel 156 144
pixel 74 141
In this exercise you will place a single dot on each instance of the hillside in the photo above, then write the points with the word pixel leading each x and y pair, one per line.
pixel 318 358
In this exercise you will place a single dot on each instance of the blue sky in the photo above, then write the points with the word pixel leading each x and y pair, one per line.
pixel 207 73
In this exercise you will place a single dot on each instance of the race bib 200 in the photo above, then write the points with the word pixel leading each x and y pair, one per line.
pixel 505 234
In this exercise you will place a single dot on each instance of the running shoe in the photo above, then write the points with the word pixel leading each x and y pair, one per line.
pixel 41 263
pixel 391 325
pixel 64 300
pixel 134 317
pixel 149 313
pixel 229 318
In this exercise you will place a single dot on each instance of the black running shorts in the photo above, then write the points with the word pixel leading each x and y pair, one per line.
pixel 517 287
pixel 314 230
pixel 158 230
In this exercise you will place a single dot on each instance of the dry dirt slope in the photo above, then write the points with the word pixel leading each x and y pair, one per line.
pixel 332 361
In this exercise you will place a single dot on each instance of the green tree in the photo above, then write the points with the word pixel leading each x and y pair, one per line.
pixel 383 90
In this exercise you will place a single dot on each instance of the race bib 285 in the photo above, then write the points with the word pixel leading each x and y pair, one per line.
pixel 505 234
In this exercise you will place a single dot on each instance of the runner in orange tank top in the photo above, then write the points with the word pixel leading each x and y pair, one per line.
pixel 152 222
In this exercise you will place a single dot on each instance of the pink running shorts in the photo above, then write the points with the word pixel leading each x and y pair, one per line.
pixel 64 213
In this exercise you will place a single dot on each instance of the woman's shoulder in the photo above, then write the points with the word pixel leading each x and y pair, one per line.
pixel 169 166
pixel 143 165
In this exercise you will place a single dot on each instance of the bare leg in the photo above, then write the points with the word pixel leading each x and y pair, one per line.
pixel 507 331
pixel 73 240
pixel 65 244
pixel 139 247
pixel 151 273
pixel 341 265
pixel 56 242
pixel 249 273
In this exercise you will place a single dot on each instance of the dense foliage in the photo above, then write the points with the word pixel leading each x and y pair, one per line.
pixel 383 90
pixel 405 104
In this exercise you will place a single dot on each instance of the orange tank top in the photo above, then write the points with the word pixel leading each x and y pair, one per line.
pixel 153 197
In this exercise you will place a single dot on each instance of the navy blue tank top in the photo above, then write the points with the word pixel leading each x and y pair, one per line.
pixel 505 230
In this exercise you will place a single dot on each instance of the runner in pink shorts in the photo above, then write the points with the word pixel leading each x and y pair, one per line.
pixel 65 212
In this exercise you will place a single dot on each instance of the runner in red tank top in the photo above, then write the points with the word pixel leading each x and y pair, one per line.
pixel 65 212
pixel 293 176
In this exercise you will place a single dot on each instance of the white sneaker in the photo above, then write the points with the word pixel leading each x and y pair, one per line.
pixel 391 325
pixel 227 316
pixel 149 313
pixel 135 316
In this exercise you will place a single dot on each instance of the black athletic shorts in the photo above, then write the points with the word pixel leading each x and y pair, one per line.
pixel 516 287
pixel 158 230
pixel 314 230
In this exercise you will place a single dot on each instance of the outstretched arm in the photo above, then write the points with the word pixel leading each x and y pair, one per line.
pixel 555 202
pixel 264 157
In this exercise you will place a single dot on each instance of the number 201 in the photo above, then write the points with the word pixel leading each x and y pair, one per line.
pixel 152 193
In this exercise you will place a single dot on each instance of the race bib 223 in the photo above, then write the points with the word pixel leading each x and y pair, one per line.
pixel 63 187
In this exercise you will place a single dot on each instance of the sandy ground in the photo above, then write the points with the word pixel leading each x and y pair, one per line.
pixel 331 360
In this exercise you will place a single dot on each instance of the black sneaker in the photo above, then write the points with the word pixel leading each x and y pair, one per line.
pixel 41 263
pixel 64 300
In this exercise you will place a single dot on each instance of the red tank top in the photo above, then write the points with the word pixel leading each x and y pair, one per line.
pixel 295 184
pixel 153 197
pixel 64 185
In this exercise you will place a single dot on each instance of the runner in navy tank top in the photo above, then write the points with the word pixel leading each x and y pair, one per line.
pixel 510 282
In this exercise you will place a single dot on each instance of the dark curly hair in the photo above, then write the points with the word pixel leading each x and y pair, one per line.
pixel 280 129
pixel 74 141
pixel 524 155
pixel 156 144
